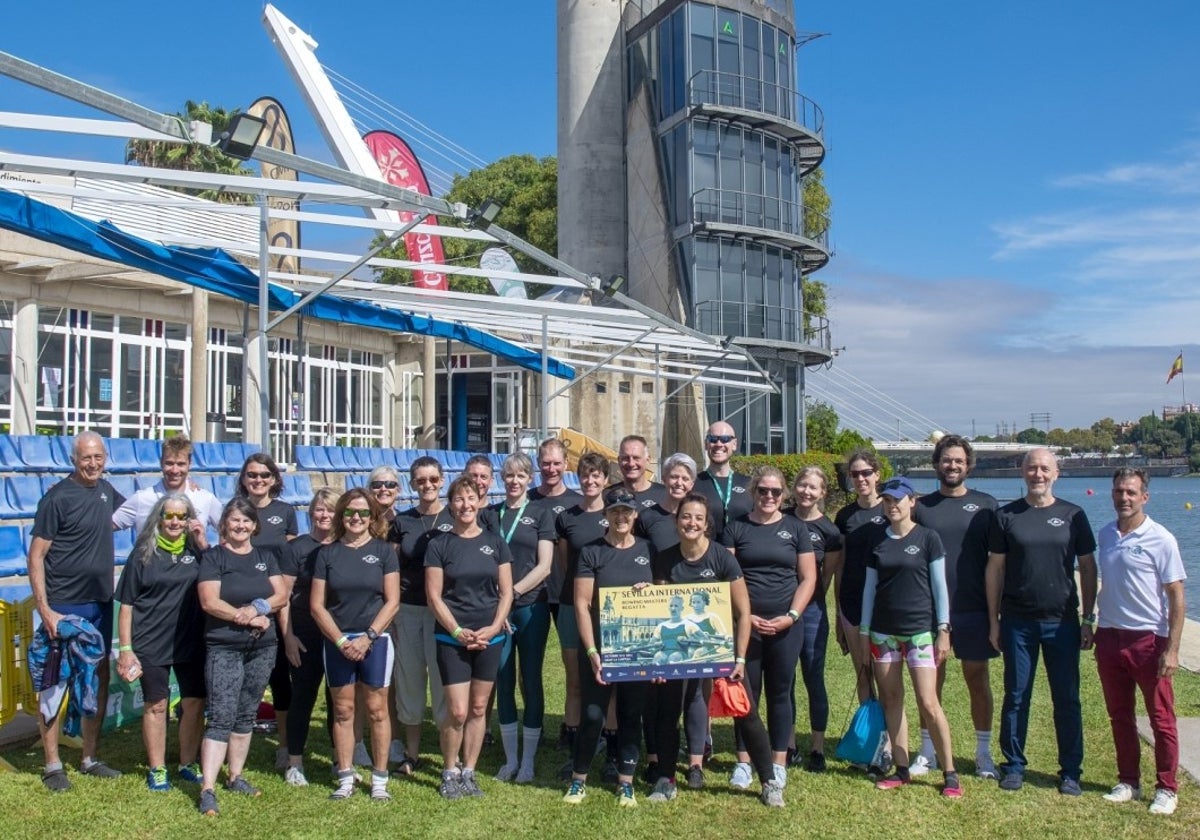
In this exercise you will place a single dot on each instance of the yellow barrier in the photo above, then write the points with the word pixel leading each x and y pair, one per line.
pixel 8 663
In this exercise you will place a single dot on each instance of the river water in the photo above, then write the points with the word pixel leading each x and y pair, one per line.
pixel 1169 499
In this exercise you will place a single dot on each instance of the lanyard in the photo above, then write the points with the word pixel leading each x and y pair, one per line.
pixel 726 496
pixel 516 520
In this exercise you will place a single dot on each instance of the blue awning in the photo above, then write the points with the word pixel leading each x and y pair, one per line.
pixel 217 271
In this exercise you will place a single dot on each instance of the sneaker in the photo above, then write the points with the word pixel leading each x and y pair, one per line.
pixel 281 759
pixel 707 754
pixel 891 782
pixel 100 770
pixel 575 792
pixel 695 777
pixel 609 774
pixel 56 780
pixel 240 785
pixel 451 786
pixel 396 752
pixel 649 775
pixel 345 787
pixel 1122 792
pixel 793 757
pixel 156 779
pixel 295 777
pixel 625 796
pixel 816 762
pixel 772 795
pixel 922 765
pixel 208 803
pixel 1070 787
pixel 191 773
pixel 780 775
pixel 664 790
pixel 469 784
pixel 951 789
pixel 1012 781
pixel 741 776
pixel 984 767
pixel 878 771
pixel 1164 802
pixel 361 757
pixel 489 740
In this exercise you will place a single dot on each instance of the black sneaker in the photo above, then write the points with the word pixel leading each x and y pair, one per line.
pixel 695 777
pixel 793 758
pixel 489 740
pixel 816 762
pixel 208 803
pixel 451 787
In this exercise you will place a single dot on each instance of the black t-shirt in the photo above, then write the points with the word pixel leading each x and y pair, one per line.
pixel 656 525
pixel 655 494
pixel 578 528
pixel 523 527
pixel 904 592
pixel 167 620
pixel 78 522
pixel 411 531
pixel 470 575
pixel 715 565
pixel 276 522
pixel 556 505
pixel 862 528
pixel 963 523
pixel 609 566
pixel 825 537
pixel 354 579
pixel 297 561
pixel 1040 544
pixel 767 555
pixel 243 577
pixel 735 488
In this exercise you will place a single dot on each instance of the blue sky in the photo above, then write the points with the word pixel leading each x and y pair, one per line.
pixel 1016 186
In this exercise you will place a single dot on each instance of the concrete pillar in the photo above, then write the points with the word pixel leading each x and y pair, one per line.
pixel 591 178
pixel 25 367
pixel 198 389
pixel 252 424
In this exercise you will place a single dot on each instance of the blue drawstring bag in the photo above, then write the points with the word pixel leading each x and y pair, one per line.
pixel 866 737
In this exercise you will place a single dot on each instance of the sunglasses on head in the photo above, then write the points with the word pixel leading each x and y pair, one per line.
pixel 259 475
pixel 170 515
pixel 774 492
pixel 720 438
pixel 384 485
pixel 360 513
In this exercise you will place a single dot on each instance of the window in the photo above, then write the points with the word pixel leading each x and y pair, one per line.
pixel 625 387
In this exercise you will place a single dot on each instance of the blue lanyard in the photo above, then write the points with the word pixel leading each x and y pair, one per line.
pixel 516 521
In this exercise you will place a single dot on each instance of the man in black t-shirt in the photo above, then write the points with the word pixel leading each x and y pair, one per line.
pixel 554 495
pixel 962 517
pixel 725 490
pixel 633 456
pixel 1033 607
pixel 71 573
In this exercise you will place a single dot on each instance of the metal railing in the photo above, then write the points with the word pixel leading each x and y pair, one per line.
pixel 734 207
pixel 737 91
pixel 763 321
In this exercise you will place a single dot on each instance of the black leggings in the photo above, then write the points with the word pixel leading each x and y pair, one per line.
pixel 674 698
pixel 631 700
pixel 771 664
pixel 305 684
pixel 281 679
pixel 812 666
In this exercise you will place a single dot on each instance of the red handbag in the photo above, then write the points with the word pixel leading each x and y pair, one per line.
pixel 729 699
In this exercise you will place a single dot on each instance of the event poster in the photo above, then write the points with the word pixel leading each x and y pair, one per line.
pixel 674 631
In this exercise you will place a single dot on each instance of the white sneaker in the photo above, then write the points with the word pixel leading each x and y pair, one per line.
pixel 985 768
pixel 361 757
pixel 295 776
pixel 1164 802
pixel 1122 792
pixel 395 752
pixel 780 775
pixel 741 776
pixel 921 765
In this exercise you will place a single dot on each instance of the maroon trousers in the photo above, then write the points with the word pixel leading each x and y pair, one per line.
pixel 1128 660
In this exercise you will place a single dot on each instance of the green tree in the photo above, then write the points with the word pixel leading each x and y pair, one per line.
pixel 1030 435
pixel 817 205
pixel 193 157
pixel 821 426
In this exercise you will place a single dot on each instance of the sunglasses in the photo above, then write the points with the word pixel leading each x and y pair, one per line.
pixel 861 473
pixel 356 513
pixel 421 482
pixel 773 492
pixel 259 475
pixel 384 485
pixel 720 438
pixel 177 517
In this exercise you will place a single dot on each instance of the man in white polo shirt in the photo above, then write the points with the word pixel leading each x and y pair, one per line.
pixel 1141 612
pixel 176 465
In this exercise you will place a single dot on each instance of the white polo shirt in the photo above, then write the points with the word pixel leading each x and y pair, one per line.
pixel 138 506
pixel 1134 568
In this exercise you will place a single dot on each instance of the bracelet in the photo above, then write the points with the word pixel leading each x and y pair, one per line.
pixel 261 606
pixel 739 660
pixel 793 615
pixel 592 650
pixel 1090 621
pixel 125 649
pixel 456 632
pixel 342 642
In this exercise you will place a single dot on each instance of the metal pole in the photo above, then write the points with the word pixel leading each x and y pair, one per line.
pixel 264 271
pixel 544 426
pixel 658 430
pixel 801 376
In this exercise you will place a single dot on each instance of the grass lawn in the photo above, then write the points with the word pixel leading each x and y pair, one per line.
pixel 839 803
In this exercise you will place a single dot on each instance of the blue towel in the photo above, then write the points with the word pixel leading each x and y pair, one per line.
pixel 83 651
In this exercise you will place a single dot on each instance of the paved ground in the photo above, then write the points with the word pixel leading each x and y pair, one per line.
pixel 1189 728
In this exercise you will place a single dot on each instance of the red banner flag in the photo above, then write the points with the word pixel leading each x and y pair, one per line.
pixel 400 168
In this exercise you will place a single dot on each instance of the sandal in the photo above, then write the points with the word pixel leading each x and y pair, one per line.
pixel 407 767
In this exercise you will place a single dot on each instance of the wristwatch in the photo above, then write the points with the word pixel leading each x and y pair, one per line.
pixel 945 625
pixel 371 634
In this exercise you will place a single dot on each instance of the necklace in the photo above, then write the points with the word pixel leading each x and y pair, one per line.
pixel 431 525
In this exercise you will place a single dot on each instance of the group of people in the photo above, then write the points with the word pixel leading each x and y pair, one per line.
pixel 452 601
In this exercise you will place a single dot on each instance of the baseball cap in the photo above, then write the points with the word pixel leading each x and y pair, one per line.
pixel 620 497
pixel 897 488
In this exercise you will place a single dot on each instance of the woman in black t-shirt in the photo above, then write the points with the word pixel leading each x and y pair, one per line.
pixel 468 581
pixel 160 626
pixel 906 618
pixel 301 638
pixel 776 556
pixel 355 596
pixel 239 588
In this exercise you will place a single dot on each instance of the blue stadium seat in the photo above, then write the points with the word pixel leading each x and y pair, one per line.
pixel 497 459
pixel 203 454
pixel 12 552
pixel 303 525
pixel 367 458
pixel 121 455
pixel 224 486
pixel 8 509
pixel 297 489
pixel 203 480
pixel 403 458
pixel 148 454
pixel 123 484
pixel 406 493
pixel 35 453
pixel 356 480
pixel 122 545
pixel 10 459
pixel 143 480
pixel 312 458
pixel 24 493
pixel 338 461
pixel 571 480
pixel 213 537
pixel 61 448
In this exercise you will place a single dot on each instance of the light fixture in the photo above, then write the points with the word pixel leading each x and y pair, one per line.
pixel 612 285
pixel 241 138
pixel 483 217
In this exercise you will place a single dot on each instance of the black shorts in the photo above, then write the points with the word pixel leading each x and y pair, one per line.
pixel 458 665
pixel 969 638
pixel 156 680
